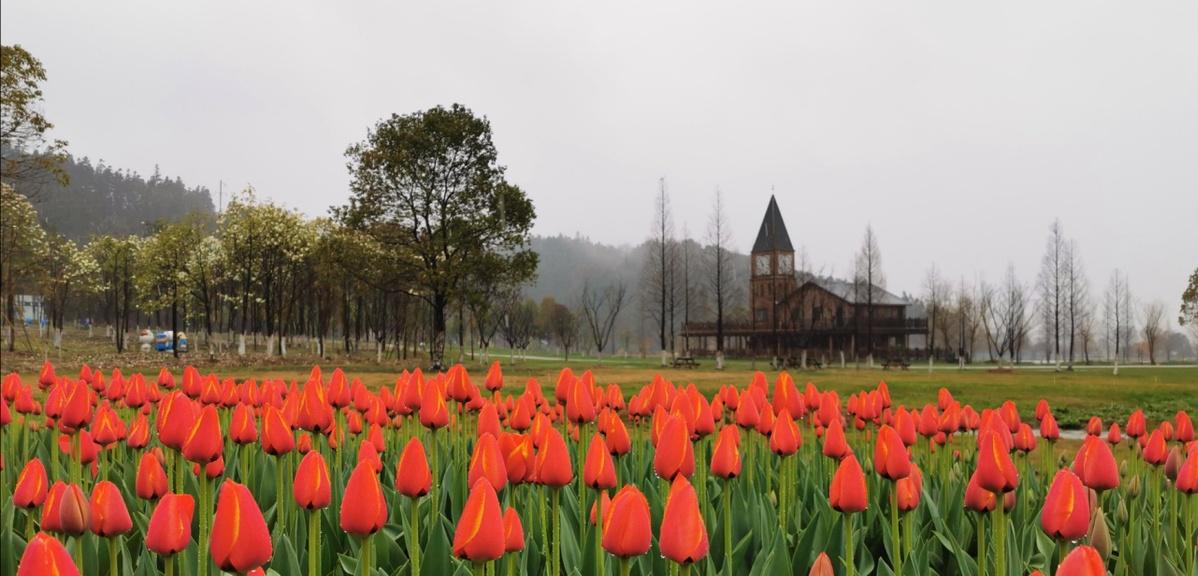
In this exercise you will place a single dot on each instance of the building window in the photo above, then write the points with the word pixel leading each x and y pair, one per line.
pixel 762 315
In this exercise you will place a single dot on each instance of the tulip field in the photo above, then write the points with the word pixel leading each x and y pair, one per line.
pixel 191 474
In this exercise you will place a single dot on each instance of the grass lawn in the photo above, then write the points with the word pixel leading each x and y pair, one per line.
pixel 1074 396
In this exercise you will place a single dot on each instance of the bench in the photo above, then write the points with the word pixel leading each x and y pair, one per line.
pixel 685 362
pixel 896 363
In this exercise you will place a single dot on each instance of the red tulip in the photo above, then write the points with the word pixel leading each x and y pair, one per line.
pixel 675 454
pixel 683 537
pixel 78 408
pixel 891 460
pixel 1049 429
pixel 785 438
pixel 977 498
pixel 1095 465
pixel 1156 451
pixel 312 489
pixel 151 479
pixel 433 411
pixel 277 438
pixel 513 531
pixel 848 492
pixel 479 536
pixel 1114 436
pixel 909 490
pixel 1187 474
pixel 725 456
pixel 487 462
pixel 169 531
pixel 240 539
pixel 32 485
pixel 242 428
pixel 599 472
pixel 363 509
pixel 553 467
pixel 1066 512
pixel 109 516
pixel 995 472
pixel 45 555
pixel 1083 561
pixel 204 442
pixel 629 515
pixel 412 476
pixel 835 444
pixel 72 511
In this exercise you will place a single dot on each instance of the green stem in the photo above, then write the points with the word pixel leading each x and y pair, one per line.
pixel 981 544
pixel 509 565
pixel 314 543
pixel 599 535
pixel 79 553
pixel 896 550
pixel 686 570
pixel 414 539
pixel 625 566
pixel 202 550
pixel 29 524
pixel 727 498
pixel 1000 535
pixel 364 556
pixel 170 565
pixel 850 565
pixel 557 532
pixel 280 507
pixel 112 556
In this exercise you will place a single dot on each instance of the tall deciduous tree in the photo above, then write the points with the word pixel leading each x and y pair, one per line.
pixel 720 279
pixel 600 308
pixel 1053 281
pixel 869 281
pixel 115 260
pixel 21 241
pixel 162 272
pixel 657 296
pixel 428 186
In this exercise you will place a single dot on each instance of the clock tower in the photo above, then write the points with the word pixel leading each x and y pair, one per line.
pixel 772 271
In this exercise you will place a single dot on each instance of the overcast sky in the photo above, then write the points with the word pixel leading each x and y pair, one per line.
pixel 960 130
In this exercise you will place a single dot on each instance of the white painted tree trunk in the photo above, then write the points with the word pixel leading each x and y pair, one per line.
pixel 241 345
pixel 1116 373
pixel 58 338
pixel 803 360
pixel 378 352
pixel 842 359
pixel 719 360
pixel 283 346
pixel 665 358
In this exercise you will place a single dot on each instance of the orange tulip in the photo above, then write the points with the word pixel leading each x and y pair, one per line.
pixel 312 489
pixel 785 438
pixel 277 438
pixel 479 536
pixel 835 444
pixel 1066 512
pixel 1187 474
pixel 240 539
pixel 433 411
pixel 363 509
pixel 487 462
pixel 151 479
pixel 45 555
pixel 412 476
pixel 1156 451
pixel 513 531
pixel 553 467
pixel 910 489
pixel 626 525
pixel 204 442
pixel 242 428
pixel 977 498
pixel 599 472
pixel 891 460
pixel 109 516
pixel 1095 465
pixel 517 456
pixel 675 454
pixel 848 493
pixel 1083 561
pixel 995 471
pixel 78 408
pixel 32 485
pixel 683 537
pixel 822 566
pixel 169 531
pixel 725 456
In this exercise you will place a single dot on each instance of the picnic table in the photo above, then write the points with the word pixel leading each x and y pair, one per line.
pixel 899 363
pixel 685 362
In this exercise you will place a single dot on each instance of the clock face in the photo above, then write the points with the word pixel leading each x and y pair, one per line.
pixel 763 264
pixel 785 264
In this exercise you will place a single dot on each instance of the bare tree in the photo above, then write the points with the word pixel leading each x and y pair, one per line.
pixel 935 293
pixel 658 290
pixel 600 308
pixel 1117 313
pixel 1005 316
pixel 564 325
pixel 868 281
pixel 719 267
pixel 1052 282
pixel 1153 328
pixel 1077 296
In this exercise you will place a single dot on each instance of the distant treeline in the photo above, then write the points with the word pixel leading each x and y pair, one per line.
pixel 102 200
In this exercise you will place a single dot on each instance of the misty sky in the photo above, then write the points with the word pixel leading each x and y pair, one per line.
pixel 958 129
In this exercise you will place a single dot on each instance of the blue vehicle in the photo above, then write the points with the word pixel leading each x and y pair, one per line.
pixel 164 341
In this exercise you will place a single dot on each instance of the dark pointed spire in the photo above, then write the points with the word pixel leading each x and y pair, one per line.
pixel 773 236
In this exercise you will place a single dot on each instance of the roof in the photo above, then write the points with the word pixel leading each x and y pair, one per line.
pixel 848 292
pixel 773 236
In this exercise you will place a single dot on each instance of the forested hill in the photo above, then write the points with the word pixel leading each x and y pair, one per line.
pixel 101 199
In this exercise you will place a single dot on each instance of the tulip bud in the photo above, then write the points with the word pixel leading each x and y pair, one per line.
pixel 1083 561
pixel 685 539
pixel 363 509
pixel 109 516
pixel 46 555
pixel 240 539
pixel 1100 534
pixel 412 476
pixel 32 485
pixel 822 566
pixel 479 536
pixel 169 531
pixel 1133 487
